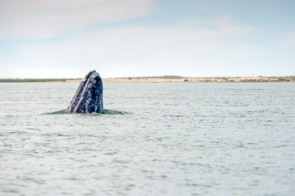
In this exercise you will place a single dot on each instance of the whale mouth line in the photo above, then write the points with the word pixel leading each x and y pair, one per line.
pixel 89 75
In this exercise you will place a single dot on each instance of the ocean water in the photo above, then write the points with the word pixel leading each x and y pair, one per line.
pixel 177 139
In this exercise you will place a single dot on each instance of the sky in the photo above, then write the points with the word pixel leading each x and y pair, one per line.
pixel 122 38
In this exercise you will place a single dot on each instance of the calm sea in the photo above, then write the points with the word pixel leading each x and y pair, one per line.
pixel 177 139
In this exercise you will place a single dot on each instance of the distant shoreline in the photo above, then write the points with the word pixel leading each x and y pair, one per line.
pixel 164 79
pixel 198 79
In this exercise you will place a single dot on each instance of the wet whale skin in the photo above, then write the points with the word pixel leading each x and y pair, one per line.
pixel 89 96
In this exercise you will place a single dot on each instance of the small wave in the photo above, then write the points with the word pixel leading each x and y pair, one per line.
pixel 56 112
pixel 105 112
pixel 113 112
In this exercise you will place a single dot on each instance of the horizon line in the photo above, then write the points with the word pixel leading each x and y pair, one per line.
pixel 162 76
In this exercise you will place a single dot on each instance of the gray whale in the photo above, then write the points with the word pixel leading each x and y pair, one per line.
pixel 89 96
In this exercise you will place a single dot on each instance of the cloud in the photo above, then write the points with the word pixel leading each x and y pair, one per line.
pixel 186 49
pixel 48 18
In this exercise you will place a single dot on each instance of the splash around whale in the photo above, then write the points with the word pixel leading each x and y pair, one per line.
pixel 88 98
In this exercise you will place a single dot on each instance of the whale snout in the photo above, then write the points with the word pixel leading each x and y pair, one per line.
pixel 89 95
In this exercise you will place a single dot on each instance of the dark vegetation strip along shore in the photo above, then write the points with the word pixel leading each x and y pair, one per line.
pixel 35 80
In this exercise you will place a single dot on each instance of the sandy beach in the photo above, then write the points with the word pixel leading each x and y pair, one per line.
pixel 195 79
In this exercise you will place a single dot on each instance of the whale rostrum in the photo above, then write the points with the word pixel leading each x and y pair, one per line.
pixel 89 96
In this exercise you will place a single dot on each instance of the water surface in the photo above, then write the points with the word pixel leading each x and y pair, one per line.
pixel 177 139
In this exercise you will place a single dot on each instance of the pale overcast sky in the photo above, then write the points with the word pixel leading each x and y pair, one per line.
pixel 121 38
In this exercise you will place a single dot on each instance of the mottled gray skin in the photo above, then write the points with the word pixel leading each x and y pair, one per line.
pixel 89 96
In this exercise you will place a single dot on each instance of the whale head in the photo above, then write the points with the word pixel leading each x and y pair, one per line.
pixel 89 95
